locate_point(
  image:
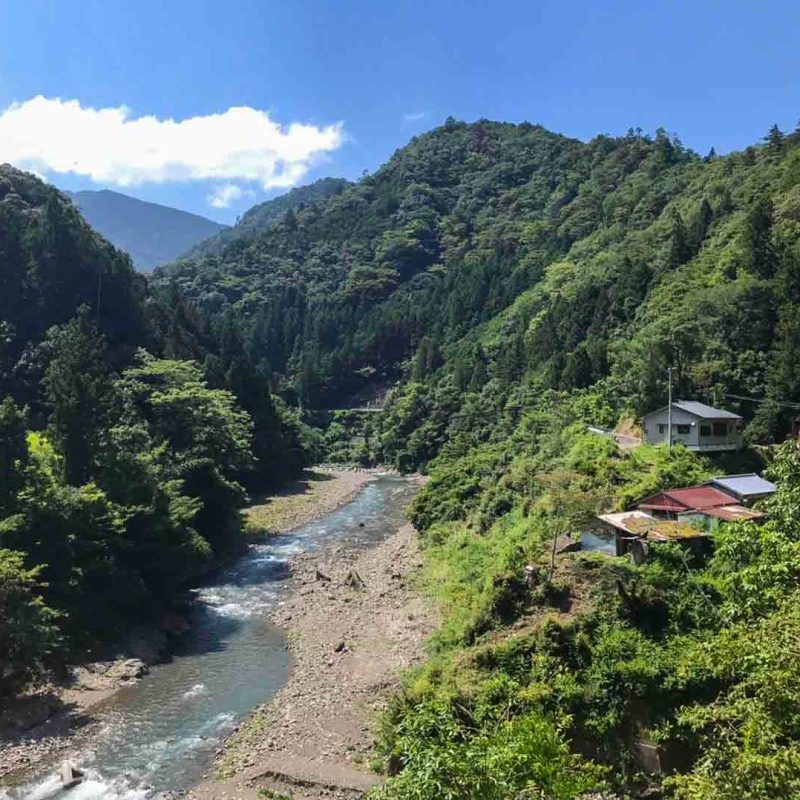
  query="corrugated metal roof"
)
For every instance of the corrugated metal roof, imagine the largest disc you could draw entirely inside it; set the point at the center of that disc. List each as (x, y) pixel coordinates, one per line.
(699, 497)
(660, 502)
(637, 523)
(732, 513)
(628, 521)
(747, 485)
(702, 410)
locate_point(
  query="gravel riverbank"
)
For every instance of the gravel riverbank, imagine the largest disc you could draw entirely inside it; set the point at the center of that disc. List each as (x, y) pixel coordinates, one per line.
(350, 645)
(320, 491)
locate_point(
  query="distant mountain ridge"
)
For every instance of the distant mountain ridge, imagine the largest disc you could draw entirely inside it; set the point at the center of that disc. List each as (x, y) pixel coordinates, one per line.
(153, 234)
(262, 216)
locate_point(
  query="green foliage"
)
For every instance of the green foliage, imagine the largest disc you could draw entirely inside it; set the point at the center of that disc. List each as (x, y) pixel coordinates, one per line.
(446, 757)
(76, 387)
(520, 287)
(129, 484)
(697, 654)
(28, 634)
(13, 453)
(189, 419)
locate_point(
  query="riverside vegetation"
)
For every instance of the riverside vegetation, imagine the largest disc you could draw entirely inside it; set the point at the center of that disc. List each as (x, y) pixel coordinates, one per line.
(129, 427)
(513, 286)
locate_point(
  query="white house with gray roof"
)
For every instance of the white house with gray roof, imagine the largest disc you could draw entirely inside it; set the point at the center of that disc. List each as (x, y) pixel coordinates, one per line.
(694, 425)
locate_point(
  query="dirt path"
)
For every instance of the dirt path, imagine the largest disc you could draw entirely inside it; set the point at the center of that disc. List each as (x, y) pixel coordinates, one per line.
(349, 647)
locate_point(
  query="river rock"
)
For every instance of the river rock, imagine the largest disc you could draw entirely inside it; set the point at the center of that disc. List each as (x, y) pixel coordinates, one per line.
(130, 669)
(70, 776)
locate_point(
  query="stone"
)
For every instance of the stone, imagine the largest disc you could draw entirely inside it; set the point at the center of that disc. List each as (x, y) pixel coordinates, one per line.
(129, 670)
(70, 775)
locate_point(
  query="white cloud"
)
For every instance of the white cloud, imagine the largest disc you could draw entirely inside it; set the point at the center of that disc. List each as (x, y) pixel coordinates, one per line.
(226, 194)
(110, 145)
(415, 116)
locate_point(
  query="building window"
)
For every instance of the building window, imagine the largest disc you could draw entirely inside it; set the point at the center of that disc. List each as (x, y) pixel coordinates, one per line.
(705, 430)
(662, 428)
(720, 429)
(684, 430)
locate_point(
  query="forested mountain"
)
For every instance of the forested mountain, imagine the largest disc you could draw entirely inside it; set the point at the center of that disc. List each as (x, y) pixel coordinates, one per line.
(517, 285)
(260, 217)
(151, 233)
(509, 250)
(129, 427)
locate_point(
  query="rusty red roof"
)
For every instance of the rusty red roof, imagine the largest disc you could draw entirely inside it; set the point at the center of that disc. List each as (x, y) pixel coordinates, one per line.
(693, 497)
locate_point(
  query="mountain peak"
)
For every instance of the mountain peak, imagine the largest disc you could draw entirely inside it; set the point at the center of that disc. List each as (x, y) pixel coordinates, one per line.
(153, 234)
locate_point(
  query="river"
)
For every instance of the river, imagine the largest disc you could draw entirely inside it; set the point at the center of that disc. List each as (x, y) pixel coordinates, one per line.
(160, 734)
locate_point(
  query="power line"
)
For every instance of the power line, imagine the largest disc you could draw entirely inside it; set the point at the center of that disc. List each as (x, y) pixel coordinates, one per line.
(784, 403)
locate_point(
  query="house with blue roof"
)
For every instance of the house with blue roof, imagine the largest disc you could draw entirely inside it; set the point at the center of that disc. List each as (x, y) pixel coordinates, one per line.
(695, 425)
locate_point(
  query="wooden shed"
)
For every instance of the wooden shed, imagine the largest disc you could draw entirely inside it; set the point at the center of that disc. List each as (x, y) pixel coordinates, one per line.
(628, 527)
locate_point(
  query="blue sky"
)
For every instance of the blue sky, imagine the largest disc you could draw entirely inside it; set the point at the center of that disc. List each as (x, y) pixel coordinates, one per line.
(363, 77)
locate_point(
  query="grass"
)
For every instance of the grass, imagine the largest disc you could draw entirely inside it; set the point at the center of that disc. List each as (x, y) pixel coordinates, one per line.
(239, 747)
(294, 505)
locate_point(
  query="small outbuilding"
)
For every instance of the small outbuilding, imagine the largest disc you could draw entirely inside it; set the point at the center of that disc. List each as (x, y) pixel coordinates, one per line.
(745, 488)
(696, 426)
(631, 527)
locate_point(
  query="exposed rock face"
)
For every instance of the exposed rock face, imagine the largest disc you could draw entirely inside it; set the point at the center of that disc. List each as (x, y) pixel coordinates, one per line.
(105, 675)
(129, 670)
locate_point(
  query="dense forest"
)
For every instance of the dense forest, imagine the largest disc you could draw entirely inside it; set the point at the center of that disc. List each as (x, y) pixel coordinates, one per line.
(130, 428)
(512, 286)
(491, 255)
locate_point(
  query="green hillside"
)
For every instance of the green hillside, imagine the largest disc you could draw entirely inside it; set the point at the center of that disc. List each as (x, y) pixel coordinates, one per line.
(260, 217)
(515, 286)
(130, 426)
(508, 248)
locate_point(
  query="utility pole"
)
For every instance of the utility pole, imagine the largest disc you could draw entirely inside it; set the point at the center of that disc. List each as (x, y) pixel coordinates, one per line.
(669, 408)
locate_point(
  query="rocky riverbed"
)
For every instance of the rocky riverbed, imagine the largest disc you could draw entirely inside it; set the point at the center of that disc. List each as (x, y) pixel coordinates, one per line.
(61, 716)
(356, 621)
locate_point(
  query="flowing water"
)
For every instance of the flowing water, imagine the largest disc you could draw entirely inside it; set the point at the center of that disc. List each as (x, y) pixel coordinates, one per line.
(161, 733)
